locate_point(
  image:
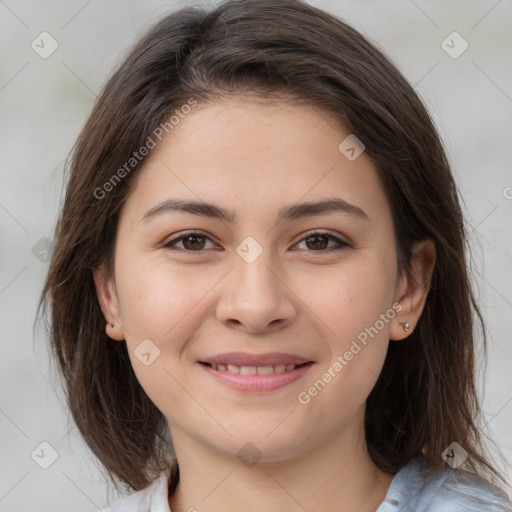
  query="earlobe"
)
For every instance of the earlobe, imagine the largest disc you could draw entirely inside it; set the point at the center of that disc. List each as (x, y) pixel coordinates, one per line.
(413, 289)
(109, 304)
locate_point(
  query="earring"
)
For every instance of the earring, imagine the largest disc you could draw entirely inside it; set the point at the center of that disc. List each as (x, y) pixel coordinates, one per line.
(406, 326)
(112, 325)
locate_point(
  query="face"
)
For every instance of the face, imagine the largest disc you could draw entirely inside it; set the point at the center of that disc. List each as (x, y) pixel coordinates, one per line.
(279, 291)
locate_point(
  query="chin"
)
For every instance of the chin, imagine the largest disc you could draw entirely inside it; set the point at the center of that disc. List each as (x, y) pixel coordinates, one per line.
(264, 445)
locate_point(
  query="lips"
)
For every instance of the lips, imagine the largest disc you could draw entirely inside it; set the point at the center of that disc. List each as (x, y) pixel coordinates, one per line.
(253, 373)
(256, 372)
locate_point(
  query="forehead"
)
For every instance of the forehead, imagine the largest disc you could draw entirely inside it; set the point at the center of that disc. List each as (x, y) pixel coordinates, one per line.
(256, 156)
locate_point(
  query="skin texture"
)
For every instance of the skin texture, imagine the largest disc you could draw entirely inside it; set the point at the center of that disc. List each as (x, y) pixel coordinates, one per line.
(255, 158)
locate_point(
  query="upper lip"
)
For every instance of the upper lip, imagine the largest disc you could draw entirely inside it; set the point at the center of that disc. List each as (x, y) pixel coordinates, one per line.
(246, 359)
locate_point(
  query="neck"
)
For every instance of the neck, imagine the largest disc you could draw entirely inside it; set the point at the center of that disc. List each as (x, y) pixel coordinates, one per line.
(336, 476)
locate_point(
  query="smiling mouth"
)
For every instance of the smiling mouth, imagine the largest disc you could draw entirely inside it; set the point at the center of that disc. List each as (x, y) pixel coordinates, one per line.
(254, 370)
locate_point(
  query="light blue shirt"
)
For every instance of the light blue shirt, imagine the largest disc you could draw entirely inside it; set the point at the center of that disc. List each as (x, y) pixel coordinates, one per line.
(411, 490)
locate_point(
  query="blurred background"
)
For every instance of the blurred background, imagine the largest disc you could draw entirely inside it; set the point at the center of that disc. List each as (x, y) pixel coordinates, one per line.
(55, 57)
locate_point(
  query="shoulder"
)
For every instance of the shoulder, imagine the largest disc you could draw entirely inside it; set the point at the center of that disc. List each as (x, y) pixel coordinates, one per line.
(151, 499)
(417, 488)
(458, 491)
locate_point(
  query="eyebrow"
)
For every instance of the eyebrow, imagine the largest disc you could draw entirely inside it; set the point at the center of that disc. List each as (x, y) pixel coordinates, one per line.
(293, 212)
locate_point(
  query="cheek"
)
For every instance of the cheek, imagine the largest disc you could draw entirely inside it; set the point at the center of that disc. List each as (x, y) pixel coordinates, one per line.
(160, 307)
(355, 303)
(158, 300)
(351, 297)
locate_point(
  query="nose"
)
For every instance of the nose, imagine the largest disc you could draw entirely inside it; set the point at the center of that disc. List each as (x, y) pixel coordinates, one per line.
(255, 297)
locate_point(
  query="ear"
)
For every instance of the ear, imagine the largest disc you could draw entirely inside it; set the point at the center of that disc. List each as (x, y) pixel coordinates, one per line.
(109, 303)
(412, 290)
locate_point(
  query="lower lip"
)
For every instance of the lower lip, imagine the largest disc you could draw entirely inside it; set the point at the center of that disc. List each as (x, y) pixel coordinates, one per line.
(258, 382)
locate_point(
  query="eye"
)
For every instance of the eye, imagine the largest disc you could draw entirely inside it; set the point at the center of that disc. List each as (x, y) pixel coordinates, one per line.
(319, 242)
(192, 242)
(316, 241)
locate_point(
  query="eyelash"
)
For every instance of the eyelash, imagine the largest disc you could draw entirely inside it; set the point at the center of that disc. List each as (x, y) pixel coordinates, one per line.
(342, 245)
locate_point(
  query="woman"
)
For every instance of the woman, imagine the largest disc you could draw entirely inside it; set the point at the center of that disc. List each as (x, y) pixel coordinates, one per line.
(261, 259)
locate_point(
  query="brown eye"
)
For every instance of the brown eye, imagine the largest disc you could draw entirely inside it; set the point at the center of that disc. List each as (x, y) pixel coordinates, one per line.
(319, 242)
(192, 242)
(315, 242)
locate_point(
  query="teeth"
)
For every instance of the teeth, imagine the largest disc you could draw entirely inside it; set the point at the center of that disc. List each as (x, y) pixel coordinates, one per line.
(253, 370)
(248, 370)
(231, 368)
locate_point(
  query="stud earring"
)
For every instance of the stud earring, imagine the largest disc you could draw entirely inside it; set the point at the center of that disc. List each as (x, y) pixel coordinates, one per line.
(406, 326)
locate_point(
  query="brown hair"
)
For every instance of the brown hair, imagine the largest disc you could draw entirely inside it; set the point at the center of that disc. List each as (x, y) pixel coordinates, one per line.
(426, 396)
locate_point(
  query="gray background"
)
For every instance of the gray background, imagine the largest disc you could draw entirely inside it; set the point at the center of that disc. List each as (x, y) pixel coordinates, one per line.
(43, 105)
